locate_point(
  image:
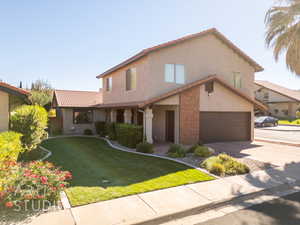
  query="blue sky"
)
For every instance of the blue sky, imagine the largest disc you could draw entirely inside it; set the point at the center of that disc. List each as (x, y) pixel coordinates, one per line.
(69, 42)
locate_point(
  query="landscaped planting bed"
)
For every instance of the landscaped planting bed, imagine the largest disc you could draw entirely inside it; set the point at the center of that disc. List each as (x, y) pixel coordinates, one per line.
(102, 173)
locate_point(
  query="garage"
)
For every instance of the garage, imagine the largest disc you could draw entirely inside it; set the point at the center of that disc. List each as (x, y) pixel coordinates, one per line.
(225, 126)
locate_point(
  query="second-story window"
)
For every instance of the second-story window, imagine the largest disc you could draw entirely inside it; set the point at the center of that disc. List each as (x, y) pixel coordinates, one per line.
(174, 73)
(109, 84)
(131, 79)
(237, 80)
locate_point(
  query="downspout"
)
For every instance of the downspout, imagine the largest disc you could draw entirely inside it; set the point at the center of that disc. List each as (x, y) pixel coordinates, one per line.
(144, 124)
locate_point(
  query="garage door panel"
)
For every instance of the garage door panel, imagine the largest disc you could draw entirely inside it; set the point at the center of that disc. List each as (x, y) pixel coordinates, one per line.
(225, 126)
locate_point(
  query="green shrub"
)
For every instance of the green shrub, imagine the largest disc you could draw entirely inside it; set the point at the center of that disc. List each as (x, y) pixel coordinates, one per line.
(100, 128)
(110, 130)
(217, 169)
(31, 121)
(88, 132)
(231, 165)
(176, 151)
(203, 151)
(145, 147)
(192, 149)
(10, 146)
(129, 135)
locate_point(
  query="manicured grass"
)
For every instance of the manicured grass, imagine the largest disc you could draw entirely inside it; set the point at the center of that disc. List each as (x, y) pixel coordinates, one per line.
(102, 173)
(287, 122)
(33, 155)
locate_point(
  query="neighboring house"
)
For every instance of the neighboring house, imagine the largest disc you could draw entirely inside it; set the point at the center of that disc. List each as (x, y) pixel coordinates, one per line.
(196, 88)
(76, 110)
(282, 102)
(10, 97)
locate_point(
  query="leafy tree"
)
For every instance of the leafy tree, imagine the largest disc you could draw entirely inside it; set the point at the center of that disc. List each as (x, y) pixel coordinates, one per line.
(283, 32)
(41, 93)
(31, 121)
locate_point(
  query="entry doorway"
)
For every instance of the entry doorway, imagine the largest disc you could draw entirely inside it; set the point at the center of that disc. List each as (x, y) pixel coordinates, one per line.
(170, 125)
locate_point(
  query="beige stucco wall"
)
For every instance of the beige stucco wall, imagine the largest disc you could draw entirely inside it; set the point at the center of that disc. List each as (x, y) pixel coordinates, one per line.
(224, 100)
(273, 96)
(201, 57)
(159, 122)
(4, 111)
(70, 128)
(292, 108)
(119, 93)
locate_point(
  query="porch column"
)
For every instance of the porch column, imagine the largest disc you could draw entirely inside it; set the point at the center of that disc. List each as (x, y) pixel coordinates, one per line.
(148, 125)
(113, 115)
(127, 115)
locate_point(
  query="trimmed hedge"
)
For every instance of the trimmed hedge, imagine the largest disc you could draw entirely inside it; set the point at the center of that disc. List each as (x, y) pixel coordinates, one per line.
(100, 128)
(31, 121)
(110, 130)
(10, 146)
(128, 135)
(176, 151)
(88, 132)
(145, 147)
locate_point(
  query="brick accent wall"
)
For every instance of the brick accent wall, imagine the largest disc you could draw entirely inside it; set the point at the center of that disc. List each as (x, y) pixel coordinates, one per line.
(189, 116)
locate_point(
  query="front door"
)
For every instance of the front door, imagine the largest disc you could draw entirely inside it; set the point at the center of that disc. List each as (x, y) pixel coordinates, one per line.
(170, 125)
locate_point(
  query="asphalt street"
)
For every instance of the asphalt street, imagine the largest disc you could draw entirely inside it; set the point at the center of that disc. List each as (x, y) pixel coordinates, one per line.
(282, 211)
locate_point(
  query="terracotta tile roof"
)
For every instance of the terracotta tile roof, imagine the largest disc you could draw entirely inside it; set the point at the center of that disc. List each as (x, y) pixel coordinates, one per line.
(200, 82)
(292, 94)
(14, 89)
(68, 98)
(214, 31)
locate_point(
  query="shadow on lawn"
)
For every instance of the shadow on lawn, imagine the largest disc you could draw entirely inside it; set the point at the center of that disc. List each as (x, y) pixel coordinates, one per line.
(282, 211)
(94, 163)
(233, 148)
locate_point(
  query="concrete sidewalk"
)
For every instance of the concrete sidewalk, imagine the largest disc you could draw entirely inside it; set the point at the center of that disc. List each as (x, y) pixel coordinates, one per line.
(171, 204)
(181, 200)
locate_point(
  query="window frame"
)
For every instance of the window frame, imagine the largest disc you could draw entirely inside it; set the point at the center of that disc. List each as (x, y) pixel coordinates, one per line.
(175, 73)
(132, 73)
(237, 83)
(108, 84)
(83, 110)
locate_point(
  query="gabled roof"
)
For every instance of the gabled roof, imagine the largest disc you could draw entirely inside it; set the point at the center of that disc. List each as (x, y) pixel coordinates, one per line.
(200, 82)
(80, 99)
(213, 31)
(13, 90)
(289, 93)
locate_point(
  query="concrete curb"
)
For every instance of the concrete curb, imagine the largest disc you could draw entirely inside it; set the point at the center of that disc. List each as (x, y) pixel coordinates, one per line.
(158, 156)
(49, 153)
(64, 200)
(272, 141)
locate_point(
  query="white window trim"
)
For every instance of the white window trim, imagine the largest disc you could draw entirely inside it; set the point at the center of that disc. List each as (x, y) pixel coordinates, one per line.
(175, 74)
(133, 89)
(107, 84)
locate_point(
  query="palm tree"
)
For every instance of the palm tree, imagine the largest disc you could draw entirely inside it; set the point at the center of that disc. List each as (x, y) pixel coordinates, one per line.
(283, 32)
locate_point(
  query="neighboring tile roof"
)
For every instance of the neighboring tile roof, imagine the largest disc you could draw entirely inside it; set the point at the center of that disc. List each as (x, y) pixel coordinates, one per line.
(200, 82)
(292, 94)
(68, 98)
(4, 86)
(214, 31)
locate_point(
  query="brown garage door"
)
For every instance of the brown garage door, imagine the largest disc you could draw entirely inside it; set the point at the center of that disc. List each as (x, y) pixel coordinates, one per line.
(225, 126)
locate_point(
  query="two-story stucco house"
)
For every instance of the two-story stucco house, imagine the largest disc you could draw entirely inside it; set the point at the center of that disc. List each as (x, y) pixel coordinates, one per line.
(282, 102)
(10, 97)
(196, 88)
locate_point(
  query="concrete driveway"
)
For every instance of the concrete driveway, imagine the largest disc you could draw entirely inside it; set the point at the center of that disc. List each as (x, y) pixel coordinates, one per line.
(279, 133)
(275, 154)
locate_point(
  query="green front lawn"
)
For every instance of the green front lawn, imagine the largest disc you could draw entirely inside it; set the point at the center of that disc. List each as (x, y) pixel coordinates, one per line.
(289, 122)
(102, 173)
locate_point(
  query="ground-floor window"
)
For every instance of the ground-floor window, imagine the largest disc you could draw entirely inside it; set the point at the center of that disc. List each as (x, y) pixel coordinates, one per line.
(82, 116)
